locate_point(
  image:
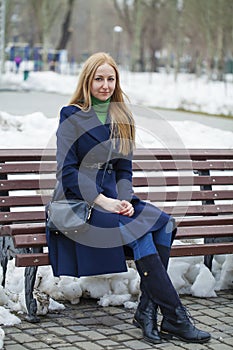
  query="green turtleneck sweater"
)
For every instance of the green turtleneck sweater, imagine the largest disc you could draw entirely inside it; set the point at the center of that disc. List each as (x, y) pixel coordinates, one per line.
(100, 108)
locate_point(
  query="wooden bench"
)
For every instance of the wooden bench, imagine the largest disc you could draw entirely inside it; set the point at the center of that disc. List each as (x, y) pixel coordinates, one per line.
(195, 186)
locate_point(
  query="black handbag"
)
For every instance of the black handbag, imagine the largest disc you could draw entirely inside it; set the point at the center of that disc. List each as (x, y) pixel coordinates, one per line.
(70, 216)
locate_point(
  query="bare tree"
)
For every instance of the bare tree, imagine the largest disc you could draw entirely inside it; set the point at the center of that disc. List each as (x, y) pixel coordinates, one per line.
(66, 27)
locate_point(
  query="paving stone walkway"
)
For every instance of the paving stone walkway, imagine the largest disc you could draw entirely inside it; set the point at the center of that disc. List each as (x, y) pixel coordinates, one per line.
(87, 326)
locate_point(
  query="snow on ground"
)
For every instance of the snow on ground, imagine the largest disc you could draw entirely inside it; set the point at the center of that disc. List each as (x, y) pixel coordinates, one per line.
(189, 275)
(148, 89)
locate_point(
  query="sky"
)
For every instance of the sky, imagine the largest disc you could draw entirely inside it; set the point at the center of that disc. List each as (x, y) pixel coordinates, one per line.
(189, 274)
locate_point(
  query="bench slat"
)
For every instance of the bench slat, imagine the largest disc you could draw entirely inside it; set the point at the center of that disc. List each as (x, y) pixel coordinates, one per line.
(39, 239)
(148, 153)
(37, 200)
(199, 209)
(205, 220)
(27, 184)
(6, 217)
(182, 180)
(185, 195)
(42, 259)
(46, 167)
(181, 165)
(17, 229)
(27, 154)
(25, 168)
(30, 240)
(37, 259)
(202, 249)
(194, 154)
(210, 231)
(23, 201)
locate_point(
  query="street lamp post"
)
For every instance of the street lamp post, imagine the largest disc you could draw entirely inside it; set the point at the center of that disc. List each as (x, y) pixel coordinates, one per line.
(118, 30)
(2, 35)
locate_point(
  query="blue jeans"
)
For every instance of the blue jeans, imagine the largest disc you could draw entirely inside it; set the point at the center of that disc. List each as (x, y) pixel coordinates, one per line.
(145, 245)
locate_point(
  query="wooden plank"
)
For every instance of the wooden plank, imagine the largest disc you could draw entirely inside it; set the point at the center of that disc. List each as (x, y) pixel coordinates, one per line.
(207, 209)
(27, 168)
(34, 184)
(181, 180)
(26, 228)
(39, 259)
(24, 201)
(202, 249)
(30, 240)
(195, 154)
(42, 259)
(140, 165)
(13, 217)
(205, 220)
(140, 153)
(205, 231)
(170, 196)
(25, 154)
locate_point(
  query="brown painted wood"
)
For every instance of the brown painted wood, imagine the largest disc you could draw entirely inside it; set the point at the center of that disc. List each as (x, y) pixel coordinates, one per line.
(182, 180)
(170, 196)
(140, 165)
(202, 249)
(13, 185)
(27, 168)
(30, 240)
(42, 259)
(26, 228)
(23, 260)
(23, 201)
(12, 217)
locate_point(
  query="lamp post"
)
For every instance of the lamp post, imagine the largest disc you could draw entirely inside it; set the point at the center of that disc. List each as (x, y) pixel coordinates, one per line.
(2, 35)
(117, 30)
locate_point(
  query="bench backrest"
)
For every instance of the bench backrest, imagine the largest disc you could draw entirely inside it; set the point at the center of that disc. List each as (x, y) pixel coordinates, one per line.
(195, 186)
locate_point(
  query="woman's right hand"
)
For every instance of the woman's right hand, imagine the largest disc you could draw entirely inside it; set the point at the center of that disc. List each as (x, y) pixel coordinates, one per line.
(114, 205)
(109, 204)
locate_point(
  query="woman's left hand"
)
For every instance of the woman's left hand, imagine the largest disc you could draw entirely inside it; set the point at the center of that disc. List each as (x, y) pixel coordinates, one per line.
(128, 208)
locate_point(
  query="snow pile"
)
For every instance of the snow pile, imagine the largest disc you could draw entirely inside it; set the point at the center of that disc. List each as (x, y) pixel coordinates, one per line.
(148, 89)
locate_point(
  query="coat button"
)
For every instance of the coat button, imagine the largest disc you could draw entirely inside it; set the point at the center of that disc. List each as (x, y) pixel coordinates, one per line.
(145, 273)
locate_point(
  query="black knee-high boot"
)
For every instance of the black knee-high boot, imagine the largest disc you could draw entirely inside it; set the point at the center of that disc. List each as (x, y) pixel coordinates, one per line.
(146, 314)
(145, 317)
(159, 288)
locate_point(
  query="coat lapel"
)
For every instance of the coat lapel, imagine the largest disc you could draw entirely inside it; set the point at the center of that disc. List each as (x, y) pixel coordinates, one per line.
(90, 123)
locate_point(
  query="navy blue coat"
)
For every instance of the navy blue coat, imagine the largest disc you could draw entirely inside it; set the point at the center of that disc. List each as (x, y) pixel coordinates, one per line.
(82, 139)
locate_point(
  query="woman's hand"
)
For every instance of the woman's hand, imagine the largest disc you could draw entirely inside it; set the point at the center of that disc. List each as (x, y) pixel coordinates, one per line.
(128, 208)
(114, 205)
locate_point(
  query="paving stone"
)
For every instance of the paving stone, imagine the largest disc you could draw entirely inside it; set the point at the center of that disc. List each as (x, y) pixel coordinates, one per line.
(106, 342)
(38, 345)
(89, 346)
(15, 347)
(137, 345)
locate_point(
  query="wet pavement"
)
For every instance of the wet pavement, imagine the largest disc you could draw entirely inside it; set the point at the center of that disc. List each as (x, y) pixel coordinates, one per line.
(92, 327)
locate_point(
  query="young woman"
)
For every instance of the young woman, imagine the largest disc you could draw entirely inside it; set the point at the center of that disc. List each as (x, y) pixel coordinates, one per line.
(96, 125)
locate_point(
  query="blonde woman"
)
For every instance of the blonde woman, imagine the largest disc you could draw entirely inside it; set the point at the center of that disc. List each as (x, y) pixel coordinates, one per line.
(97, 125)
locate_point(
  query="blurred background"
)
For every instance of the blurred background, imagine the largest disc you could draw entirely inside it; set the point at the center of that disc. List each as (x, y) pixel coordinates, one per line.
(175, 36)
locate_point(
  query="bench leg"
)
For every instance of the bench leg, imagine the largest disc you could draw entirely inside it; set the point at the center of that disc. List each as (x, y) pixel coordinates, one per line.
(7, 252)
(30, 277)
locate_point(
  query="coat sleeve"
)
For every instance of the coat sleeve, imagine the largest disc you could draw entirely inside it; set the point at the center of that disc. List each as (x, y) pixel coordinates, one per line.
(73, 181)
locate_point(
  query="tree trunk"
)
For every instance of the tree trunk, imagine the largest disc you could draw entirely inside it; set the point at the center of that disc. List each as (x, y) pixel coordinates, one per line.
(66, 29)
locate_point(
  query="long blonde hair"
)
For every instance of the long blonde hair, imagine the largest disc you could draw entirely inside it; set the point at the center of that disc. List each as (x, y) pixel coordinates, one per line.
(122, 121)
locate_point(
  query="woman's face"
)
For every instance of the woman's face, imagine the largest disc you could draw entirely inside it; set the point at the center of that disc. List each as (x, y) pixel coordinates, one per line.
(104, 82)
